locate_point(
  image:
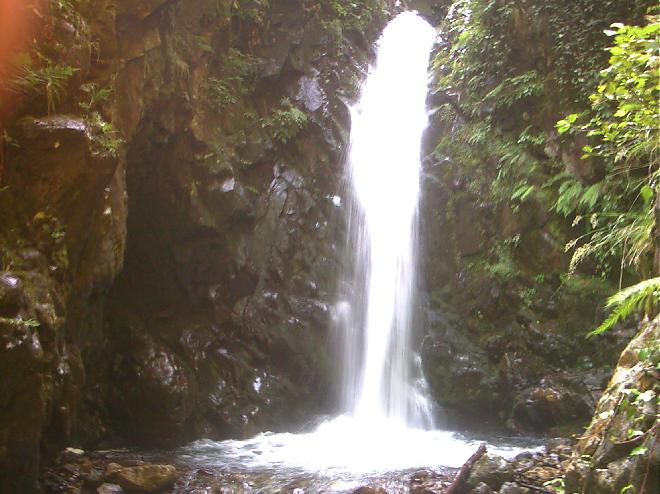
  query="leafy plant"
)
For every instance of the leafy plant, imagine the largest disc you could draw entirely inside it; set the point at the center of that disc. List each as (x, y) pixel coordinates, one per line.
(341, 17)
(95, 96)
(18, 322)
(49, 80)
(255, 10)
(286, 122)
(31, 323)
(237, 70)
(108, 139)
(623, 124)
(515, 89)
(557, 485)
(221, 93)
(644, 297)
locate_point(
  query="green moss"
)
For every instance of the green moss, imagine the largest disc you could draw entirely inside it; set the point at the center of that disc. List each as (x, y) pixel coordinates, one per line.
(237, 70)
(340, 18)
(285, 122)
(506, 71)
(510, 68)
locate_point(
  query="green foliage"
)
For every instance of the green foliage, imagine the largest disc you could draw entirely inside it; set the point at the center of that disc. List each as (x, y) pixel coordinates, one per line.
(499, 164)
(577, 29)
(615, 235)
(476, 30)
(515, 89)
(644, 297)
(255, 10)
(505, 70)
(505, 65)
(623, 123)
(31, 323)
(504, 267)
(18, 322)
(557, 485)
(522, 192)
(625, 111)
(499, 262)
(286, 122)
(632, 406)
(106, 137)
(95, 96)
(353, 15)
(624, 114)
(340, 17)
(238, 70)
(68, 5)
(651, 354)
(478, 71)
(221, 93)
(47, 79)
(639, 450)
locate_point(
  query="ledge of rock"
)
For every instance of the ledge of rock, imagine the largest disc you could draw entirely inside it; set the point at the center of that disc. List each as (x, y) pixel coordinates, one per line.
(141, 478)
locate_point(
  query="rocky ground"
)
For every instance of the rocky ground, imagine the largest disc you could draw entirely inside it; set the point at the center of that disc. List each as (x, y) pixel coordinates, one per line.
(618, 449)
(77, 472)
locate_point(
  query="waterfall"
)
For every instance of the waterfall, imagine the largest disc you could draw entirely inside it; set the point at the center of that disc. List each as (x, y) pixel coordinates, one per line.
(386, 422)
(383, 173)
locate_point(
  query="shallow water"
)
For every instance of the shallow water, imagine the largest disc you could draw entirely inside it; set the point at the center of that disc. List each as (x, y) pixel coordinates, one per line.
(339, 456)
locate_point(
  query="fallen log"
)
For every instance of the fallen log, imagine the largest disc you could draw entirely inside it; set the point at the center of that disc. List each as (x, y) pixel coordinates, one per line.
(459, 485)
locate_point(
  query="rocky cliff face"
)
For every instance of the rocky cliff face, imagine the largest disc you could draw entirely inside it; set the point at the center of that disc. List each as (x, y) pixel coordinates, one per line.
(506, 323)
(220, 315)
(197, 145)
(619, 449)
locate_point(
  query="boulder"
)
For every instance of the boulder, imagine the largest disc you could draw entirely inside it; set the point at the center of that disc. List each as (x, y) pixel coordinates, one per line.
(11, 294)
(491, 470)
(513, 488)
(482, 488)
(154, 392)
(606, 459)
(549, 404)
(93, 479)
(109, 489)
(141, 478)
(369, 490)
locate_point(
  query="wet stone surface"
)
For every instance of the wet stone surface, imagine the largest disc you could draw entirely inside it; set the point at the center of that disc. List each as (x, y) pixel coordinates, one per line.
(93, 472)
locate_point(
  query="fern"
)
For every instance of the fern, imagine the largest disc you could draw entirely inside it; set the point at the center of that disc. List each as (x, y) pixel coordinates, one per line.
(50, 80)
(515, 89)
(286, 122)
(628, 235)
(644, 297)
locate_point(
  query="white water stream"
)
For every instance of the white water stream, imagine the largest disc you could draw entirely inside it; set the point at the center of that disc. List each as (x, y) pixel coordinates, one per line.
(387, 424)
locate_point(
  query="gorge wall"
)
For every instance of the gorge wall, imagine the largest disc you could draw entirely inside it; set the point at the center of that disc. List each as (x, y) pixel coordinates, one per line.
(195, 147)
(168, 230)
(506, 313)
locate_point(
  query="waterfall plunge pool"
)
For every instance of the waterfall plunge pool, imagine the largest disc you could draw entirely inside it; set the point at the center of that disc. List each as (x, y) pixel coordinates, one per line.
(339, 456)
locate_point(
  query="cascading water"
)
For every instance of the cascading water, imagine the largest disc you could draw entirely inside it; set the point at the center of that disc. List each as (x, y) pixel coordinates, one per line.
(386, 426)
(384, 167)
